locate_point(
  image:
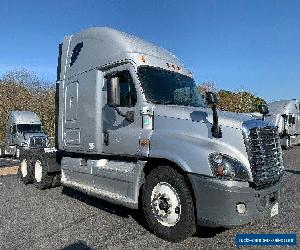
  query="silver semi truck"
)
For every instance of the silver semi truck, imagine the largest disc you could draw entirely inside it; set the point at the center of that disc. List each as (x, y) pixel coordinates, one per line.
(133, 129)
(23, 131)
(285, 115)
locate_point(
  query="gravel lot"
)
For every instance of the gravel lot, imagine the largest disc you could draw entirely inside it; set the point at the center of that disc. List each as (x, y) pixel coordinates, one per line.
(60, 218)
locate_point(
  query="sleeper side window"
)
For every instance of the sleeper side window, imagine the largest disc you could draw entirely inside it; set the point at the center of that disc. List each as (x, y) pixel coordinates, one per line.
(121, 90)
(75, 53)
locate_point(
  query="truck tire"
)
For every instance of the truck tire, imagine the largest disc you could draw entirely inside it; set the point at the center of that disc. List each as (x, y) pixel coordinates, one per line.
(168, 204)
(25, 170)
(42, 179)
(287, 143)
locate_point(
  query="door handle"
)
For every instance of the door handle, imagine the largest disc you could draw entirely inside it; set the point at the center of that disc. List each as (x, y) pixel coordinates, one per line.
(106, 137)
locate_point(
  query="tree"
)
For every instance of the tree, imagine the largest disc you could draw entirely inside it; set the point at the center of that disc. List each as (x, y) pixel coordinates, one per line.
(23, 90)
(241, 101)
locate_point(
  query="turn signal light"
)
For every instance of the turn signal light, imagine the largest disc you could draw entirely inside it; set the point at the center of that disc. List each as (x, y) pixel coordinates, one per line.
(143, 59)
(144, 142)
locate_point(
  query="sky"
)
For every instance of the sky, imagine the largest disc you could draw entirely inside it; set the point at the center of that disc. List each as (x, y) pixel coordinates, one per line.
(251, 45)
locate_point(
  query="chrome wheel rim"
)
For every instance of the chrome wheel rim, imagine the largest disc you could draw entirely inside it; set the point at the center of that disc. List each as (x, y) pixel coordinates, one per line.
(165, 204)
(24, 167)
(38, 171)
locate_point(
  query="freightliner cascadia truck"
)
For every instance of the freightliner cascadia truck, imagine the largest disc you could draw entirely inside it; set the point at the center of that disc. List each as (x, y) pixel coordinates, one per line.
(132, 129)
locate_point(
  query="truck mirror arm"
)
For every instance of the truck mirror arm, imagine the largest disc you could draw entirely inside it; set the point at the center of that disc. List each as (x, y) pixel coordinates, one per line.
(129, 115)
(216, 129)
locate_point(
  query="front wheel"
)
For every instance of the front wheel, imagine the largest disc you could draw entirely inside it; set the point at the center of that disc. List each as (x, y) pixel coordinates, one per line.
(168, 204)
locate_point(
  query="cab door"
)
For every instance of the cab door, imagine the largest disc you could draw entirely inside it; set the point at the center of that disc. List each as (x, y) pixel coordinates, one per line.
(71, 126)
(121, 114)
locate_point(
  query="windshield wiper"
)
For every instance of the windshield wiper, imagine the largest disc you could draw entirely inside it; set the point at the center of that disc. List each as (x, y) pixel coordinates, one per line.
(164, 103)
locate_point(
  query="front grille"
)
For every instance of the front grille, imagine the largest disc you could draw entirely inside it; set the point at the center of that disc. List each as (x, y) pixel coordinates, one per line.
(265, 155)
(37, 142)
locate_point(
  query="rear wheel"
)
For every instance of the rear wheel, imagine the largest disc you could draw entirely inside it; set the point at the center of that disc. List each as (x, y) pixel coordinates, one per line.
(25, 171)
(168, 204)
(1, 151)
(42, 179)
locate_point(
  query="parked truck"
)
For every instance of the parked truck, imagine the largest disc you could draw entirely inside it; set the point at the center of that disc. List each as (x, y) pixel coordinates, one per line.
(285, 115)
(24, 131)
(133, 129)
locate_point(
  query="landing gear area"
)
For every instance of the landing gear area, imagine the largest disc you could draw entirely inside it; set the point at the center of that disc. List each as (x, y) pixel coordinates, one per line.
(286, 142)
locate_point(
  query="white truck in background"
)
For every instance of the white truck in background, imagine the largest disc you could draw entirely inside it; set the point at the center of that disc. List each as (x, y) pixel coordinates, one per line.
(285, 114)
(24, 131)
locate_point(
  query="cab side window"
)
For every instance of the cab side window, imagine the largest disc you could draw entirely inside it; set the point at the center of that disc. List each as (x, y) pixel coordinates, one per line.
(124, 90)
(14, 129)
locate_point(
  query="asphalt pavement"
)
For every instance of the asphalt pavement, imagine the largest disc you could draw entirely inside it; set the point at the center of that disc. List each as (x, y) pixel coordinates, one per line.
(61, 218)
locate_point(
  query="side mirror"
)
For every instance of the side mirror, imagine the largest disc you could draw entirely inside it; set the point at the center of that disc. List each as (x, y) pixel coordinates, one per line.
(211, 98)
(113, 98)
(113, 92)
(291, 119)
(284, 116)
(13, 129)
(263, 109)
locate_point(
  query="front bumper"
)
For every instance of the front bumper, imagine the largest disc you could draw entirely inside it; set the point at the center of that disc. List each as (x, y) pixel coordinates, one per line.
(216, 201)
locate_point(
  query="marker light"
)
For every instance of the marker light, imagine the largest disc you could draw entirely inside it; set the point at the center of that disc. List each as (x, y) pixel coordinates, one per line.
(143, 59)
(174, 66)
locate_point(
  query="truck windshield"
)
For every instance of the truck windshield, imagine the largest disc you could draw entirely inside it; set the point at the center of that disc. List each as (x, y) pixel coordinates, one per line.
(32, 128)
(165, 87)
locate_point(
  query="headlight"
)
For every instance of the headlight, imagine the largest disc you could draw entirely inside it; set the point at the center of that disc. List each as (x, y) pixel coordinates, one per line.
(223, 166)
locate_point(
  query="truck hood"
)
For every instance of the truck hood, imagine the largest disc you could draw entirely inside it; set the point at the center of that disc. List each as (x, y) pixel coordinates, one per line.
(197, 114)
(182, 134)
